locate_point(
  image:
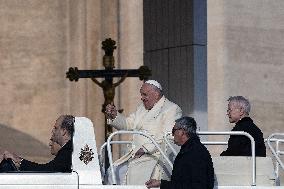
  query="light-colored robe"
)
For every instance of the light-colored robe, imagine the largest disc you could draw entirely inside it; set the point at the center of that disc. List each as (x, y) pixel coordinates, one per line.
(156, 122)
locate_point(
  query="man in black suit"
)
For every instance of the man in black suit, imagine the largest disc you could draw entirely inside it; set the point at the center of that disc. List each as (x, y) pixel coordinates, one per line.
(193, 167)
(62, 133)
(238, 145)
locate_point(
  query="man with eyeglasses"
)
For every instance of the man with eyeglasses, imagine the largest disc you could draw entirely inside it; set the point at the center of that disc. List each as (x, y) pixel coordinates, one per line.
(193, 167)
(238, 113)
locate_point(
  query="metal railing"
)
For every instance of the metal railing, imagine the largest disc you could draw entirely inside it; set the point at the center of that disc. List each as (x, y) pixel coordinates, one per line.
(101, 157)
(224, 143)
(133, 133)
(276, 152)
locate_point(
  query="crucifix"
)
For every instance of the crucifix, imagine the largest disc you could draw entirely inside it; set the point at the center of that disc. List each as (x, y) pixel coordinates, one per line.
(108, 74)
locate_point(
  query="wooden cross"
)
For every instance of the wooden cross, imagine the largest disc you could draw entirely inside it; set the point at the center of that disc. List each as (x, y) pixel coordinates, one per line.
(108, 74)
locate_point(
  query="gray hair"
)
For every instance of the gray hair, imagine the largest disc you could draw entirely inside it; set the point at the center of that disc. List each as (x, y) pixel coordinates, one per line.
(68, 124)
(188, 124)
(242, 102)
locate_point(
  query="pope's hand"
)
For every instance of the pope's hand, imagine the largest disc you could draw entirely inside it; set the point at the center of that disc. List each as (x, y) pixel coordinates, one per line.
(111, 111)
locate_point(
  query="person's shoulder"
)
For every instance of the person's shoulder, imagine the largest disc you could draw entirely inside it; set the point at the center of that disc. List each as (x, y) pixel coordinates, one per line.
(248, 123)
(140, 108)
(67, 147)
(248, 126)
(69, 143)
(204, 152)
(198, 150)
(244, 124)
(169, 103)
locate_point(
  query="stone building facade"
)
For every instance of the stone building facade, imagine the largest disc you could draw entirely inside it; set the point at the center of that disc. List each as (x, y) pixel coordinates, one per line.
(40, 40)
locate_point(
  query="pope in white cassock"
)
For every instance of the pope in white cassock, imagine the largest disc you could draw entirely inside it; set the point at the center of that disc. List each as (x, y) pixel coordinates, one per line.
(156, 115)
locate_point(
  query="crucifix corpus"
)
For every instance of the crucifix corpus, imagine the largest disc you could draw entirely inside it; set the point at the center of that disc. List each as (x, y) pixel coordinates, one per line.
(108, 74)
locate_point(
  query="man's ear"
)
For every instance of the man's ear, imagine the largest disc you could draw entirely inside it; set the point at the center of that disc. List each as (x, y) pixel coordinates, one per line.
(64, 132)
(242, 111)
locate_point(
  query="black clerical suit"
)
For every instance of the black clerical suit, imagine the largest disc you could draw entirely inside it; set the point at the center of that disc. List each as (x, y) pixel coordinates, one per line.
(239, 145)
(61, 163)
(193, 168)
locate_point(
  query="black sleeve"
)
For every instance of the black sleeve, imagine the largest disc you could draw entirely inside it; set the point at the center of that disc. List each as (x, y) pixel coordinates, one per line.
(53, 166)
(236, 145)
(198, 174)
(175, 185)
(61, 163)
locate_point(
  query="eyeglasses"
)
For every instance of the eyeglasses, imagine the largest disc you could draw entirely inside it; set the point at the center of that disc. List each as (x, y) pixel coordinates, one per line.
(230, 110)
(174, 130)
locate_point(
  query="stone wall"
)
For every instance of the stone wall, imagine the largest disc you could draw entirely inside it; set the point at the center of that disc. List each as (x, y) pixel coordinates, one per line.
(245, 57)
(39, 41)
(33, 55)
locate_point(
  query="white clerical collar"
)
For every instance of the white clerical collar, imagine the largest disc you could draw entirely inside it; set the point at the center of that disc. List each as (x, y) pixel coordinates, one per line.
(65, 143)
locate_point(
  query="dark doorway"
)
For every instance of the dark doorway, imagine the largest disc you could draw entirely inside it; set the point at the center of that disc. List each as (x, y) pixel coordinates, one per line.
(175, 49)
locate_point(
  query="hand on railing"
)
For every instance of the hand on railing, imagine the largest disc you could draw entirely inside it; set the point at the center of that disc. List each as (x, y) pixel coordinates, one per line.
(152, 140)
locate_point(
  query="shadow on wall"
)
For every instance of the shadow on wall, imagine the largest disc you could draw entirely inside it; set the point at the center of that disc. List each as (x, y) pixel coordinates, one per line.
(23, 145)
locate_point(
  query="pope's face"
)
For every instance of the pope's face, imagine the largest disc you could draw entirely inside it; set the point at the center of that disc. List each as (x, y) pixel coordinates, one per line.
(149, 96)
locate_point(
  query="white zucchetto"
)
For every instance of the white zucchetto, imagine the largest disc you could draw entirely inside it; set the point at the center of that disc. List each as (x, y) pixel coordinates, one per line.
(155, 83)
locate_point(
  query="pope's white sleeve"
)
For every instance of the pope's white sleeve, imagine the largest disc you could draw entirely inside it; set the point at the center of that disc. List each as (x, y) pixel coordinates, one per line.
(167, 125)
(121, 122)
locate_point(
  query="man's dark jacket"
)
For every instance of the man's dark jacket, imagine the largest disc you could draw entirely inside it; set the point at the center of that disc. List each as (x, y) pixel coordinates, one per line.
(239, 145)
(61, 163)
(193, 168)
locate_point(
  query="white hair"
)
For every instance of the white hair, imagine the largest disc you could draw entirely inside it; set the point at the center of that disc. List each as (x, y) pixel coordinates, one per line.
(242, 102)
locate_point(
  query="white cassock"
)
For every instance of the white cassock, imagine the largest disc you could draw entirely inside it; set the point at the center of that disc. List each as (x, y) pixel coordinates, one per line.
(156, 122)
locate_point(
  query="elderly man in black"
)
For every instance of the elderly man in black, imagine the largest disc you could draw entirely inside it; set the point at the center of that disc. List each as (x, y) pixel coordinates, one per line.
(62, 134)
(238, 113)
(193, 167)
